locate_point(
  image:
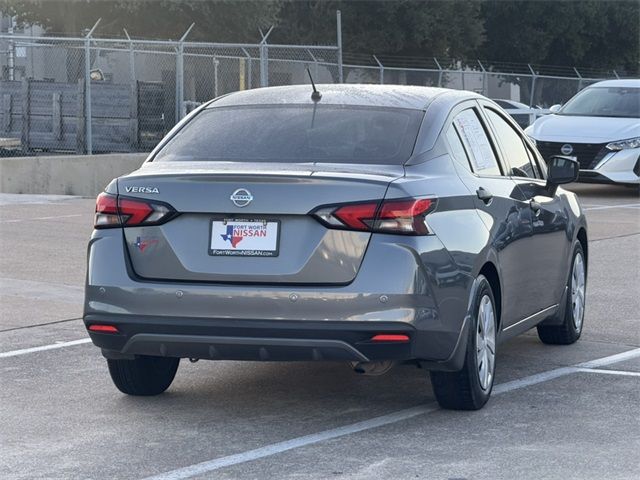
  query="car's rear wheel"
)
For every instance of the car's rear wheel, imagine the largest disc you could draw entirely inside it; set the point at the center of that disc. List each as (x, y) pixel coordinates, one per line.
(470, 388)
(144, 375)
(570, 329)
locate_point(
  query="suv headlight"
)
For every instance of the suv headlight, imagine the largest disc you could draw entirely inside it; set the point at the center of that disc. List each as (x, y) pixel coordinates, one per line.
(624, 144)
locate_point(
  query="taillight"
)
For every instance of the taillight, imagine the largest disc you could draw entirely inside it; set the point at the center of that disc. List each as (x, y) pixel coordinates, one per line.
(133, 212)
(398, 216)
(357, 216)
(405, 216)
(106, 211)
(118, 211)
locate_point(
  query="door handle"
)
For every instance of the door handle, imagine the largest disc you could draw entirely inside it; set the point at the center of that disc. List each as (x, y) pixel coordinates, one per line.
(535, 206)
(485, 195)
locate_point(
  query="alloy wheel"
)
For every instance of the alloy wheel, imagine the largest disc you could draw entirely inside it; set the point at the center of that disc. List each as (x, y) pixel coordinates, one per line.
(578, 291)
(486, 342)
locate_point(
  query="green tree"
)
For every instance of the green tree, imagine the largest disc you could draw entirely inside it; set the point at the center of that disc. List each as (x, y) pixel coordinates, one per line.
(221, 21)
(597, 34)
(404, 27)
(400, 27)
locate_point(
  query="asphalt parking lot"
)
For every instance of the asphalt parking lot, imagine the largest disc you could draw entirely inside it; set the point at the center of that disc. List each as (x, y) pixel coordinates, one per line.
(565, 412)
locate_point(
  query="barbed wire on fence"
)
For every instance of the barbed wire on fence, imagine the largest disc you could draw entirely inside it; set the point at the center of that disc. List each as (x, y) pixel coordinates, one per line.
(89, 94)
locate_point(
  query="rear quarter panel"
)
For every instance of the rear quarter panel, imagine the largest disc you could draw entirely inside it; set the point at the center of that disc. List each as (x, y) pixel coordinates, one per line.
(457, 226)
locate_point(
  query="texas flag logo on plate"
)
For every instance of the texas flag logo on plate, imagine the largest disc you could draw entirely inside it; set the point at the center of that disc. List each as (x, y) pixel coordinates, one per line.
(244, 238)
(235, 239)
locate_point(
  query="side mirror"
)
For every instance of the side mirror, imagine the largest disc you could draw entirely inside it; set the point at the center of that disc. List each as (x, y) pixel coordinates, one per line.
(554, 108)
(561, 170)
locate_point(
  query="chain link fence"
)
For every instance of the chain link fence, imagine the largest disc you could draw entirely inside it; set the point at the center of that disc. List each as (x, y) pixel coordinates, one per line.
(532, 85)
(94, 95)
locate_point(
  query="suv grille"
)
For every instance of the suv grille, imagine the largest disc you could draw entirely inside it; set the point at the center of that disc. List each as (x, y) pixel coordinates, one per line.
(588, 154)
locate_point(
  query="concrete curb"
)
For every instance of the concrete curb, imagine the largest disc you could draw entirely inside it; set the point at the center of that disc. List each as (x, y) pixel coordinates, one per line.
(84, 175)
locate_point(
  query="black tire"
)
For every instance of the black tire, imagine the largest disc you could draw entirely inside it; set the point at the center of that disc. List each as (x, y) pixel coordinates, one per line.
(144, 375)
(569, 330)
(462, 390)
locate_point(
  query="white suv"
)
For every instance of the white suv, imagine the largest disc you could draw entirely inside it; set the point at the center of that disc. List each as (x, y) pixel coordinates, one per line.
(599, 127)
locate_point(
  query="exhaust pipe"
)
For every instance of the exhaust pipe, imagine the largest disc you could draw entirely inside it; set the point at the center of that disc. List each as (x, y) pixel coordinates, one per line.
(373, 368)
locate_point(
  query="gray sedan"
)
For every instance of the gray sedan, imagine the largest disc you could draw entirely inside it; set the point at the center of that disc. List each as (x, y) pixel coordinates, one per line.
(364, 224)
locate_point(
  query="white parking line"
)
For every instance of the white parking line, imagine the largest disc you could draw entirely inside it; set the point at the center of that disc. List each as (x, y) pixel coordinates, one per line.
(532, 380)
(8, 199)
(53, 346)
(611, 359)
(275, 448)
(279, 447)
(605, 207)
(609, 372)
(55, 217)
(35, 290)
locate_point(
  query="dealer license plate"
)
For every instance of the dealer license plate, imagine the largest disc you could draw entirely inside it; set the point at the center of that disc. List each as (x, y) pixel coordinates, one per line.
(244, 238)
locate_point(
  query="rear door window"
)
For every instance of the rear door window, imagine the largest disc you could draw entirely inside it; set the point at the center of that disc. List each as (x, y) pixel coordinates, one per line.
(476, 142)
(457, 149)
(297, 134)
(513, 146)
(534, 161)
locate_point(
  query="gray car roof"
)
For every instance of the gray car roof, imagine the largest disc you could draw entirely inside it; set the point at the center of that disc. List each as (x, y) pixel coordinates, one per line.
(398, 96)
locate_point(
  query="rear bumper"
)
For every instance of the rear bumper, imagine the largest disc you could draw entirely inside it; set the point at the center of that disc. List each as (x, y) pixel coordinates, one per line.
(268, 340)
(398, 289)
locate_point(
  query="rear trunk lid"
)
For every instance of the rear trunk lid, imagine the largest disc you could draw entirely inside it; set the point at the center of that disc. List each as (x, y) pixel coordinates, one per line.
(270, 240)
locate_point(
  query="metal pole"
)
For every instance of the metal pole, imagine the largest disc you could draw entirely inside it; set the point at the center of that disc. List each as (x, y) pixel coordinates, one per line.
(215, 76)
(179, 73)
(242, 74)
(132, 60)
(485, 88)
(339, 33)
(12, 51)
(264, 58)
(381, 67)
(533, 84)
(249, 71)
(180, 106)
(616, 74)
(439, 72)
(264, 66)
(580, 77)
(87, 90)
(133, 87)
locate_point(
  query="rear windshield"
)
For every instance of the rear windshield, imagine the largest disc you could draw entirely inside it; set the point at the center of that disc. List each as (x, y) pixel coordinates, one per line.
(605, 102)
(297, 134)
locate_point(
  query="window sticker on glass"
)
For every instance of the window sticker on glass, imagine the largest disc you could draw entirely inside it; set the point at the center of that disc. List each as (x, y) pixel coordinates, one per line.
(471, 130)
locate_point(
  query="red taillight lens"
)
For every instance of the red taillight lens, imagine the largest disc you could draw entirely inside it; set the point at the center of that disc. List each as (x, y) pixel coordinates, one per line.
(403, 216)
(134, 212)
(117, 211)
(405, 208)
(358, 216)
(106, 211)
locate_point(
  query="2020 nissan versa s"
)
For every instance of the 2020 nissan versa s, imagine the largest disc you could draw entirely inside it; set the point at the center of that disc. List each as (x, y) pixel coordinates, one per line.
(375, 224)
